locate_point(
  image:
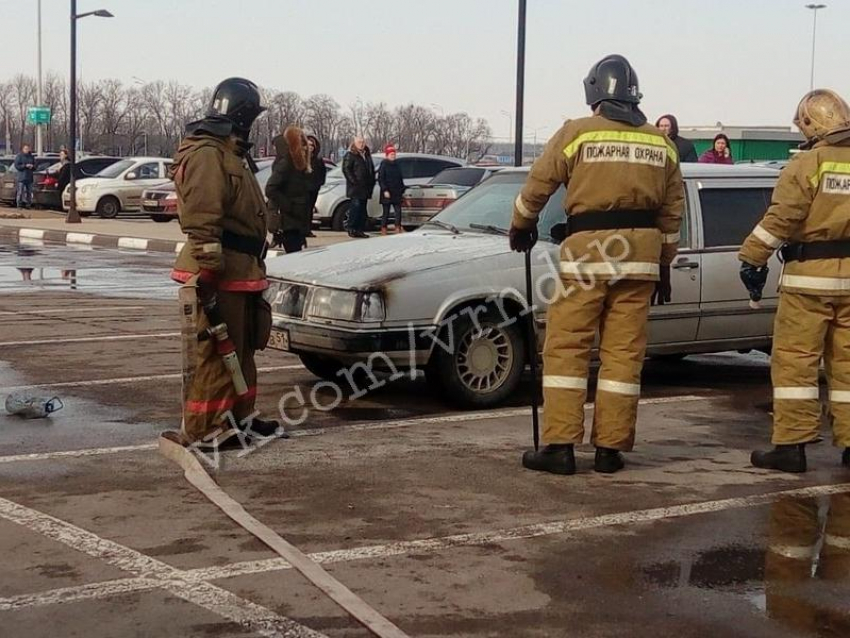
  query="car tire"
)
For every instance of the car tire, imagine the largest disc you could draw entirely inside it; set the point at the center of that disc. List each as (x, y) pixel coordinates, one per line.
(476, 370)
(161, 218)
(108, 207)
(340, 217)
(322, 367)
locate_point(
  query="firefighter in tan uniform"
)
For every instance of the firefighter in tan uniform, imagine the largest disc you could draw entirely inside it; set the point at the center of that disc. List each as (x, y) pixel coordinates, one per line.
(624, 201)
(223, 213)
(809, 219)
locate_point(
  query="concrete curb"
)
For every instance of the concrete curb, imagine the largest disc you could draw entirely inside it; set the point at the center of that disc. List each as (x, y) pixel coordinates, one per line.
(70, 238)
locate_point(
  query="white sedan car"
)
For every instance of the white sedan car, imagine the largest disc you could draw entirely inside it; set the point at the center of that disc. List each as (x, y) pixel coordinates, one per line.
(118, 187)
(449, 298)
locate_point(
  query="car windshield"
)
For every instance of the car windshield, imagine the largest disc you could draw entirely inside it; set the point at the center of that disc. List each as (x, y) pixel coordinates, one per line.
(458, 177)
(116, 169)
(492, 203)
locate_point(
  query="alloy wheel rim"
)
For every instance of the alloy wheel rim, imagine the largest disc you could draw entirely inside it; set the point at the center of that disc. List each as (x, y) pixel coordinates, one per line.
(484, 359)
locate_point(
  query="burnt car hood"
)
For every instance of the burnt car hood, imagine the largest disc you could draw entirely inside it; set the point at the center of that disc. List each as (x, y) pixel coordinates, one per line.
(368, 264)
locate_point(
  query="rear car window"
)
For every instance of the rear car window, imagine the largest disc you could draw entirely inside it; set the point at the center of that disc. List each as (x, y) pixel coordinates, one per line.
(426, 167)
(730, 214)
(459, 176)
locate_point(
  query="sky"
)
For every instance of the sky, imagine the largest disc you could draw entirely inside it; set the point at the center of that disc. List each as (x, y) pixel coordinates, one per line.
(739, 62)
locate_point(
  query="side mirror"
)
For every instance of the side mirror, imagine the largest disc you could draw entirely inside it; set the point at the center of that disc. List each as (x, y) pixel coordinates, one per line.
(130, 176)
(558, 233)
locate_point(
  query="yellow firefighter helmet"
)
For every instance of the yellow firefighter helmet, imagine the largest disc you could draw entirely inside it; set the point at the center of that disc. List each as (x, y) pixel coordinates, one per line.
(821, 112)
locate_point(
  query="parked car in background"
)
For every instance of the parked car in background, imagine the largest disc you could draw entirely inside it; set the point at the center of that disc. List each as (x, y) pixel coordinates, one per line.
(49, 184)
(118, 188)
(9, 178)
(388, 302)
(161, 201)
(333, 203)
(422, 202)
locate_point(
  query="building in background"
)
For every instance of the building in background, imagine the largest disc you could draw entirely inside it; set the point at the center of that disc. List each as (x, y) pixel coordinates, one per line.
(749, 143)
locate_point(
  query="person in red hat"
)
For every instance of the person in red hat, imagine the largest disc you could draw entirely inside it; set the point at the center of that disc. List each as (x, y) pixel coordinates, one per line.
(392, 188)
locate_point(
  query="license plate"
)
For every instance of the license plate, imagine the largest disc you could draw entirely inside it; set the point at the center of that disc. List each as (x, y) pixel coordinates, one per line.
(279, 340)
(151, 202)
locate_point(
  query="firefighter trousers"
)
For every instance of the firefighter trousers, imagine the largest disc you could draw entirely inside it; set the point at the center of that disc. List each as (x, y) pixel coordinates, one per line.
(618, 312)
(210, 402)
(808, 328)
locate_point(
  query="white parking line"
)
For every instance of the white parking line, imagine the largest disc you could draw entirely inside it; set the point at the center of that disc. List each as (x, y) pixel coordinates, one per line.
(212, 598)
(123, 380)
(355, 427)
(115, 587)
(38, 342)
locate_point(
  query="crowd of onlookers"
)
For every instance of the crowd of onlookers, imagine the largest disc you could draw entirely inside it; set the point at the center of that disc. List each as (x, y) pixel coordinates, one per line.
(299, 172)
(719, 153)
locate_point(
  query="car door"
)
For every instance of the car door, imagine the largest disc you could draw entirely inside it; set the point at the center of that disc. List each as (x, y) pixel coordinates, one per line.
(729, 210)
(677, 322)
(146, 175)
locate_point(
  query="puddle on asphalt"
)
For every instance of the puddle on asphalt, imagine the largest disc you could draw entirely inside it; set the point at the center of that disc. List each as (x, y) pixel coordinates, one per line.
(799, 578)
(36, 266)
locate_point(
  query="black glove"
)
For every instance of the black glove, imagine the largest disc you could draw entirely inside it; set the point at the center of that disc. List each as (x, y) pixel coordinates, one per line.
(522, 239)
(663, 292)
(754, 279)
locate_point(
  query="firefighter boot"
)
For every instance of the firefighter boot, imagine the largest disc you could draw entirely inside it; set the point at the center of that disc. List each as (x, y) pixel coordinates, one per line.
(785, 458)
(845, 457)
(554, 458)
(608, 461)
(265, 428)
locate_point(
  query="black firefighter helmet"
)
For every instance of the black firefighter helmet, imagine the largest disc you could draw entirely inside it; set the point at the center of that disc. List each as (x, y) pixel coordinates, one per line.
(238, 101)
(612, 78)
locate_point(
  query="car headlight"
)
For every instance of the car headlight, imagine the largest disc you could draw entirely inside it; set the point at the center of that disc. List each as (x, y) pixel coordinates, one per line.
(171, 196)
(287, 299)
(347, 305)
(85, 190)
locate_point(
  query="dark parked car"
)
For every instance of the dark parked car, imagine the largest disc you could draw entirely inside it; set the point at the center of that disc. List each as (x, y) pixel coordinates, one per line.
(49, 183)
(9, 179)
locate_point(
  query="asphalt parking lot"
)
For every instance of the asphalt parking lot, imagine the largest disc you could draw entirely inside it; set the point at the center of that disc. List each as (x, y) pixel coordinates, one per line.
(423, 511)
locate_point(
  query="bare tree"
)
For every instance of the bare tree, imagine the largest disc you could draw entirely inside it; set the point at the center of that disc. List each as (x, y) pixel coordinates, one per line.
(113, 110)
(322, 116)
(55, 97)
(23, 93)
(382, 124)
(7, 104)
(89, 103)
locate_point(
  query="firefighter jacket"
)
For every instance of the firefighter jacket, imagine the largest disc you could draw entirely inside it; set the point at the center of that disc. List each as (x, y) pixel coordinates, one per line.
(218, 194)
(811, 202)
(609, 166)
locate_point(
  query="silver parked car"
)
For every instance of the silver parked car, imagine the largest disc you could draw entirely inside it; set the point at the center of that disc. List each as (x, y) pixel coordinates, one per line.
(416, 168)
(442, 298)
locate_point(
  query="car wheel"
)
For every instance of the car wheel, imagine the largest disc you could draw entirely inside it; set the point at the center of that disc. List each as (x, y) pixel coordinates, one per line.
(108, 208)
(340, 217)
(323, 367)
(479, 368)
(161, 218)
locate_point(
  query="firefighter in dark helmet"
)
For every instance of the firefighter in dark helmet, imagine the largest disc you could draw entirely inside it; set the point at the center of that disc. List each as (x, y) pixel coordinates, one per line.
(224, 316)
(624, 204)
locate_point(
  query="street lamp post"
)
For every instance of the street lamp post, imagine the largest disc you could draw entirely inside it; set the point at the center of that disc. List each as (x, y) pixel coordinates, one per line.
(520, 83)
(815, 8)
(73, 216)
(39, 133)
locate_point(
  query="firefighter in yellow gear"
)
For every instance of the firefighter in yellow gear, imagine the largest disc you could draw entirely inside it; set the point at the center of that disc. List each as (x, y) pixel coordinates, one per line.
(223, 213)
(809, 221)
(624, 205)
(807, 566)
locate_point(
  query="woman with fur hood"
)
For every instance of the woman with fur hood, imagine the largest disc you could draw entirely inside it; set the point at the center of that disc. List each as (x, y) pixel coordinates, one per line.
(288, 190)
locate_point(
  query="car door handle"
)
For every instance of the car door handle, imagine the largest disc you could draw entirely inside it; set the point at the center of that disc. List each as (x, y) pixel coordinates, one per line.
(686, 265)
